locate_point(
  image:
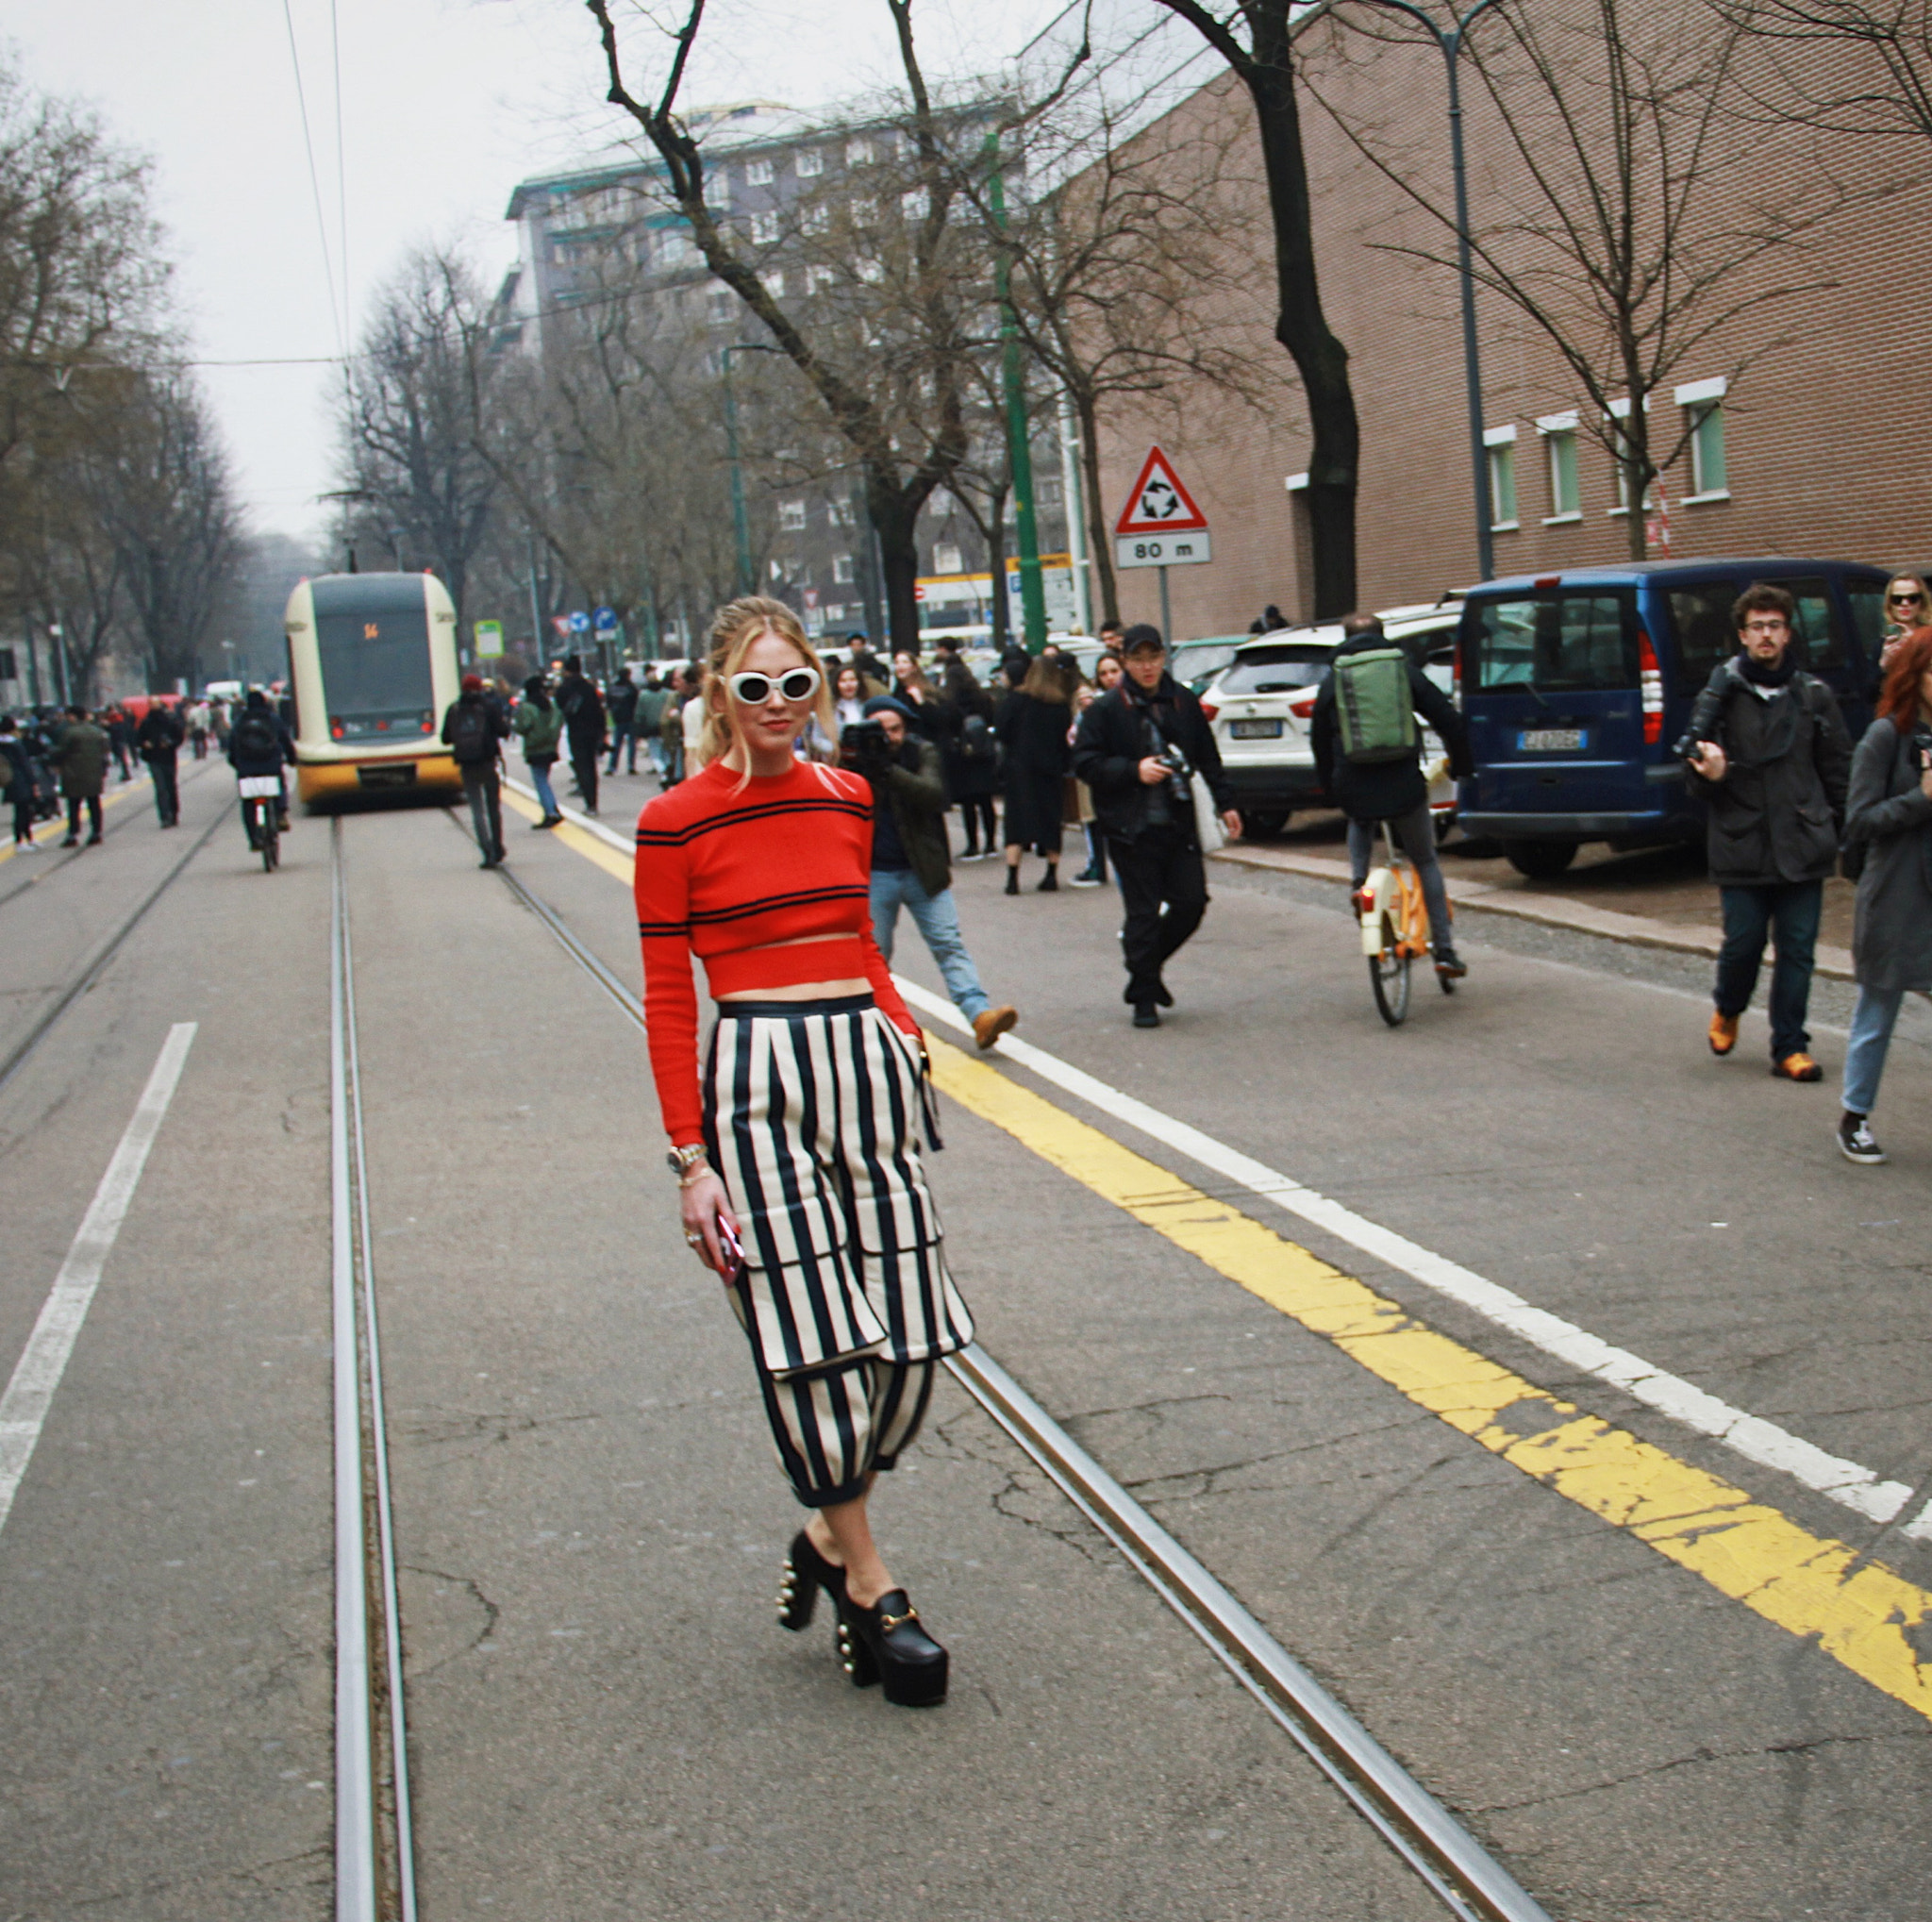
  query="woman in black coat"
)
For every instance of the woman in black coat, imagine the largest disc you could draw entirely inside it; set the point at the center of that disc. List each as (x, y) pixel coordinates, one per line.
(970, 758)
(1033, 725)
(1889, 814)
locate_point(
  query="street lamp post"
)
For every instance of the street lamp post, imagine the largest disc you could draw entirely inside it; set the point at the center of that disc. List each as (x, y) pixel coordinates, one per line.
(1449, 41)
(1019, 447)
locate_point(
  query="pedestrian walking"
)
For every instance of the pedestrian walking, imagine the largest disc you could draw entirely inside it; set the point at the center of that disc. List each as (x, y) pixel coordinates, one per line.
(622, 706)
(1768, 748)
(538, 727)
(649, 719)
(1369, 758)
(158, 740)
(1141, 749)
(671, 728)
(969, 755)
(1095, 874)
(197, 728)
(910, 867)
(120, 739)
(80, 753)
(17, 789)
(219, 723)
(1888, 822)
(1032, 728)
(473, 729)
(584, 727)
(806, 1113)
(691, 724)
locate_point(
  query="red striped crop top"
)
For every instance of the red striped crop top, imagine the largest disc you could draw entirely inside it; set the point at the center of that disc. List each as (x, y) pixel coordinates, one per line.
(726, 866)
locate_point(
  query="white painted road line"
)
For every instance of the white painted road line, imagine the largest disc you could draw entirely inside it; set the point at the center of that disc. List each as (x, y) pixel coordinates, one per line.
(1849, 1484)
(1756, 1439)
(30, 1394)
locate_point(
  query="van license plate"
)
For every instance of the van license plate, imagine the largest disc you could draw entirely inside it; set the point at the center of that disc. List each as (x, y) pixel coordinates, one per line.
(1254, 730)
(1552, 741)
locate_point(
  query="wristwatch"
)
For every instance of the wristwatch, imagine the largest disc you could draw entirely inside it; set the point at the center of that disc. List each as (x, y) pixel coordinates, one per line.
(682, 1160)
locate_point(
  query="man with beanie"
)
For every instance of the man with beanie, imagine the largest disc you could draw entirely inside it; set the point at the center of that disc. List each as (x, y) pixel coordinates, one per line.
(584, 726)
(910, 867)
(1141, 747)
(472, 729)
(158, 740)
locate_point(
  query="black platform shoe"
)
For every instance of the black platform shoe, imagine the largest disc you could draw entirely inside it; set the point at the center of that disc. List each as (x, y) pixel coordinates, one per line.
(886, 1643)
(805, 1573)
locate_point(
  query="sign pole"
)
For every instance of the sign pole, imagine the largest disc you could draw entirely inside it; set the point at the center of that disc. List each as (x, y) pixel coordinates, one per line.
(1166, 612)
(1019, 446)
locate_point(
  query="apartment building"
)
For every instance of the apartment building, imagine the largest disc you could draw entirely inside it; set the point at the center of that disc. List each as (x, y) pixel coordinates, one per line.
(1786, 406)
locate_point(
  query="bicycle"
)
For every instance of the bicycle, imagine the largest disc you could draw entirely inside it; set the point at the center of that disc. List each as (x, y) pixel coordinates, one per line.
(262, 814)
(1396, 929)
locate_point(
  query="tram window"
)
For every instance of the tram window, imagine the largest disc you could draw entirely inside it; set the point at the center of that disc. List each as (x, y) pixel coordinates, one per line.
(375, 670)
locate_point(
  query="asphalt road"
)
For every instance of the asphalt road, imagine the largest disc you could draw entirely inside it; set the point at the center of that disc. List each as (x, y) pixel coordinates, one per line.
(604, 1719)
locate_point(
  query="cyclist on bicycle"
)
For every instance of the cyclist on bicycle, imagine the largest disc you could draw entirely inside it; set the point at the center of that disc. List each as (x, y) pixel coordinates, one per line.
(1369, 761)
(259, 744)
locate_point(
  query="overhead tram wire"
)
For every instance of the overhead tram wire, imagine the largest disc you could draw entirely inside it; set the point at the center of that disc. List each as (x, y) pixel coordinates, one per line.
(335, 45)
(334, 308)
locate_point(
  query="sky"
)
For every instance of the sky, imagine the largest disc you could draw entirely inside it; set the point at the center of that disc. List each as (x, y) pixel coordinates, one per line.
(445, 105)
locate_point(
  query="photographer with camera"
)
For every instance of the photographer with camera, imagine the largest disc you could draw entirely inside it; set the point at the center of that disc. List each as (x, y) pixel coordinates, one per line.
(910, 866)
(1146, 752)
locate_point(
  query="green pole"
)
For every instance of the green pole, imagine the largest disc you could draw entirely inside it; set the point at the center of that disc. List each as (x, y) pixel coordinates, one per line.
(1019, 452)
(741, 523)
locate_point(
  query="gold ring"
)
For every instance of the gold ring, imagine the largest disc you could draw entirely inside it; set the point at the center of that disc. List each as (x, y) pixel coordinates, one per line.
(690, 1241)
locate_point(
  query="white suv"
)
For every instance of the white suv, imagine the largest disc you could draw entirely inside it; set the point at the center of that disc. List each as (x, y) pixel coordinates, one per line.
(1262, 708)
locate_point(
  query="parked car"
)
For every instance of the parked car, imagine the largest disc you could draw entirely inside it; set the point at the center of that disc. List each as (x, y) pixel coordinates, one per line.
(1262, 704)
(1576, 685)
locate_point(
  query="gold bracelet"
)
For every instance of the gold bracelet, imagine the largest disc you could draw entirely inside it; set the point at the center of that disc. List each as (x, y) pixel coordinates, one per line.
(695, 1176)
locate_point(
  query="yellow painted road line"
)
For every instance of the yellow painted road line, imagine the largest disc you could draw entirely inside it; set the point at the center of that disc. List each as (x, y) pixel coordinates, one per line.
(57, 829)
(1809, 1584)
(1862, 1616)
(586, 845)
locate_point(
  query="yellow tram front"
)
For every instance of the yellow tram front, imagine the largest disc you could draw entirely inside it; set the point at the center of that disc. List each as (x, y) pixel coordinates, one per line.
(373, 664)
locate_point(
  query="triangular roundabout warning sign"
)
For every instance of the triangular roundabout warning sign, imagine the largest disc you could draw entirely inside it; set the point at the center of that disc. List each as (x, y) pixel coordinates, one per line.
(1158, 503)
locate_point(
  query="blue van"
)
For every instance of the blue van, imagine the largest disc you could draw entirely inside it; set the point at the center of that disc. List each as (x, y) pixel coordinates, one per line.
(1576, 685)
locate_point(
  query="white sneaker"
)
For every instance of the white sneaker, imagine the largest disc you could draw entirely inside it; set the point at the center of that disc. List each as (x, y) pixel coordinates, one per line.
(26, 847)
(1856, 1142)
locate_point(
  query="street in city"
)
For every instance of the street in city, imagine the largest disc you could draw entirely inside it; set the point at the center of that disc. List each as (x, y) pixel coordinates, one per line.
(603, 1718)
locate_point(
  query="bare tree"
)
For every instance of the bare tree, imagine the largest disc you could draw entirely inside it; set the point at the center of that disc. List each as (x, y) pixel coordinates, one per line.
(904, 453)
(1265, 64)
(407, 410)
(1862, 67)
(1634, 219)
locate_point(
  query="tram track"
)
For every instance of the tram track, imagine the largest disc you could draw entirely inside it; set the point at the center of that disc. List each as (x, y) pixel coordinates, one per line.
(374, 1845)
(1469, 1881)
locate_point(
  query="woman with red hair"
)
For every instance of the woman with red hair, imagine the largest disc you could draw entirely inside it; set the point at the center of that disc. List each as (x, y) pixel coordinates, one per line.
(1889, 814)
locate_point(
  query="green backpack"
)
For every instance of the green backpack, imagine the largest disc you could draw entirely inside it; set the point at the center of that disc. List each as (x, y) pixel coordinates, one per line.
(1373, 706)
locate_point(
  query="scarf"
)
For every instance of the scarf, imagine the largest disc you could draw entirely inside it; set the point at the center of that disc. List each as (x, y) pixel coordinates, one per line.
(1763, 675)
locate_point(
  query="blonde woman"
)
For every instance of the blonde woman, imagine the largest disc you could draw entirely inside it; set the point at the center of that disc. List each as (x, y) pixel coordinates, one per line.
(797, 1141)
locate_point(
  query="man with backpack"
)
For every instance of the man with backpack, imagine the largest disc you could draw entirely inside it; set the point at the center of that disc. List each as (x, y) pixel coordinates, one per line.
(623, 706)
(1768, 747)
(259, 745)
(1141, 748)
(158, 739)
(472, 729)
(1369, 754)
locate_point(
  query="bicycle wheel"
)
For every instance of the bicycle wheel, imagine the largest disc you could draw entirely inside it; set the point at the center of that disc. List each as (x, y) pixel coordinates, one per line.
(265, 834)
(1388, 978)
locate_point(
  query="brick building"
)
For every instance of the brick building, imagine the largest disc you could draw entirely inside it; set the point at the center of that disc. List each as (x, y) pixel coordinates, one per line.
(1790, 402)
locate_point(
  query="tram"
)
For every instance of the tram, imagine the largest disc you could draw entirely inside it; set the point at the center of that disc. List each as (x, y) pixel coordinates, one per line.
(373, 668)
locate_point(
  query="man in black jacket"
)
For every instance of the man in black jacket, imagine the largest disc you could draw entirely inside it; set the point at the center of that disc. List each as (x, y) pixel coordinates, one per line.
(583, 721)
(623, 706)
(1139, 749)
(158, 740)
(1774, 759)
(1393, 791)
(473, 729)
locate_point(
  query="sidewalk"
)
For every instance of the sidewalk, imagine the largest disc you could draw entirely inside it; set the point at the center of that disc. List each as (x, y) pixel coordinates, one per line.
(1548, 911)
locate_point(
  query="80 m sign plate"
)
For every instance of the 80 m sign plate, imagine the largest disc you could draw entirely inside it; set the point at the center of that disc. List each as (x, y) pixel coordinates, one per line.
(1162, 550)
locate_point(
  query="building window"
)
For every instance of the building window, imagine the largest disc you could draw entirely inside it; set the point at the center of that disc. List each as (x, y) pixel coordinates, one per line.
(1559, 454)
(1702, 402)
(1500, 444)
(757, 173)
(842, 574)
(815, 220)
(841, 512)
(817, 279)
(912, 205)
(791, 516)
(775, 283)
(869, 269)
(672, 247)
(1620, 410)
(859, 151)
(764, 228)
(810, 163)
(946, 559)
(722, 304)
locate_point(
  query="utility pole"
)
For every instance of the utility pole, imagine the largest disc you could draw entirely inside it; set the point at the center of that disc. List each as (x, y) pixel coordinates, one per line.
(1019, 452)
(1071, 493)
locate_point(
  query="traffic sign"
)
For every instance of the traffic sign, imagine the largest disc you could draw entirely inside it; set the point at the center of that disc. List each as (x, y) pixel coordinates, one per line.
(489, 638)
(1158, 503)
(580, 623)
(1162, 550)
(604, 620)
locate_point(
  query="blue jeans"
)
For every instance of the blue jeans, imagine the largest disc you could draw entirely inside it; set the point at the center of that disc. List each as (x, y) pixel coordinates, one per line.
(1415, 834)
(939, 921)
(539, 779)
(1790, 910)
(623, 740)
(1872, 1024)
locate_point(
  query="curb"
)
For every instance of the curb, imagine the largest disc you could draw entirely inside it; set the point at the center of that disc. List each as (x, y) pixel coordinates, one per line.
(1576, 917)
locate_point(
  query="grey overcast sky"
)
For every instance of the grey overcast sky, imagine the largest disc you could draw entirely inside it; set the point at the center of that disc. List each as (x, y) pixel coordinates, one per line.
(446, 105)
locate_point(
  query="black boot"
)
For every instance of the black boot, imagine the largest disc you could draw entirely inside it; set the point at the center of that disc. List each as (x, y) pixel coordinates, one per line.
(805, 1573)
(1012, 880)
(1051, 885)
(886, 1643)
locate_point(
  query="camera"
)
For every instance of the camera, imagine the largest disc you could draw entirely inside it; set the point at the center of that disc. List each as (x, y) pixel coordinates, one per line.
(864, 745)
(1175, 762)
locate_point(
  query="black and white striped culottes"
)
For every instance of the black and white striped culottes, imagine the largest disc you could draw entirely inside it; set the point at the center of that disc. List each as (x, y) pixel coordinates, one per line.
(812, 1112)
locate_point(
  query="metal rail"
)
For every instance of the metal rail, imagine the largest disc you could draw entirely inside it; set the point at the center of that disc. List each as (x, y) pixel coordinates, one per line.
(362, 1478)
(1461, 1873)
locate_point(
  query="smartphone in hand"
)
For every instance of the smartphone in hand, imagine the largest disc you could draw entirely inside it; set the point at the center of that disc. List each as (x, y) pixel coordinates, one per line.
(732, 1249)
